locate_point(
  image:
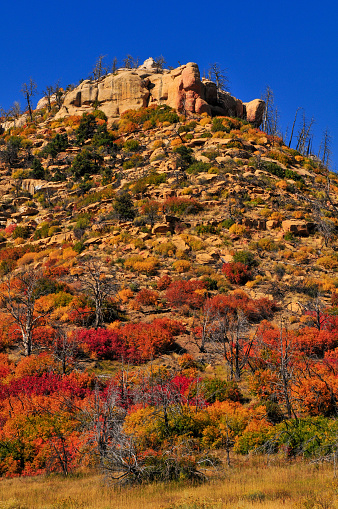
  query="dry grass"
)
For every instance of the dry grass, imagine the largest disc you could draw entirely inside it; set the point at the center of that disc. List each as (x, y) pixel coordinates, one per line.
(253, 483)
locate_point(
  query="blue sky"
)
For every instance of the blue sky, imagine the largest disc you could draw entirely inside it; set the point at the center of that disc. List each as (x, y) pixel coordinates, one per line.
(290, 46)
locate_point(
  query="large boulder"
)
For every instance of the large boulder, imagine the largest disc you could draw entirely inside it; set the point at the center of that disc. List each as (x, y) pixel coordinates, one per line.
(298, 227)
(254, 111)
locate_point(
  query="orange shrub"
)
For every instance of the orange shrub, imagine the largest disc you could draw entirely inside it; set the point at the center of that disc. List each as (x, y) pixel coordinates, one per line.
(147, 297)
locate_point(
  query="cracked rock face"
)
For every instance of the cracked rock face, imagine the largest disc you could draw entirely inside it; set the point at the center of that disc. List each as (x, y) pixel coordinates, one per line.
(180, 88)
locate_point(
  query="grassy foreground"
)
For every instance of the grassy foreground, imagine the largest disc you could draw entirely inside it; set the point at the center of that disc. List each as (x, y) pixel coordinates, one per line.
(249, 483)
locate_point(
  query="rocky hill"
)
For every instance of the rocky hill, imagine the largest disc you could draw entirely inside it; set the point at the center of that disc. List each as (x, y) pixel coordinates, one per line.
(150, 218)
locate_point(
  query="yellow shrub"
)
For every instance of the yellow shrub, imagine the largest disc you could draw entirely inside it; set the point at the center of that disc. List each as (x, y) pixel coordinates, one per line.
(205, 121)
(282, 184)
(133, 305)
(265, 212)
(279, 156)
(277, 216)
(175, 142)
(19, 241)
(156, 144)
(123, 238)
(237, 229)
(299, 158)
(26, 259)
(42, 254)
(267, 244)
(194, 243)
(124, 295)
(140, 264)
(327, 284)
(182, 266)
(220, 134)
(68, 253)
(328, 262)
(55, 254)
(165, 248)
(298, 214)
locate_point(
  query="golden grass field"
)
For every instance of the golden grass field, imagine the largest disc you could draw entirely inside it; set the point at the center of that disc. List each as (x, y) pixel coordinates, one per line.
(249, 483)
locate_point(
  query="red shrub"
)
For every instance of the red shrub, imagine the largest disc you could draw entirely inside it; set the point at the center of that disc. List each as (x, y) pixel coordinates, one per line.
(147, 297)
(163, 282)
(254, 309)
(55, 272)
(102, 343)
(146, 340)
(44, 336)
(191, 293)
(311, 341)
(236, 272)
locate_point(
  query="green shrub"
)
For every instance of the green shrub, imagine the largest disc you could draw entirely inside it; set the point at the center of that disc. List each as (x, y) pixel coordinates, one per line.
(205, 229)
(38, 170)
(58, 144)
(22, 232)
(215, 389)
(245, 257)
(134, 161)
(186, 157)
(100, 114)
(227, 223)
(131, 146)
(153, 179)
(86, 129)
(124, 207)
(217, 125)
(87, 162)
(198, 167)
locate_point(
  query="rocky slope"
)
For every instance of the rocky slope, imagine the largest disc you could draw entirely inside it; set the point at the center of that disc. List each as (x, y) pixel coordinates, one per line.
(254, 194)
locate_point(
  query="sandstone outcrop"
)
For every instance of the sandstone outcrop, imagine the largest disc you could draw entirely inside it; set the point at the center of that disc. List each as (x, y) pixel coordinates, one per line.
(254, 111)
(180, 88)
(298, 227)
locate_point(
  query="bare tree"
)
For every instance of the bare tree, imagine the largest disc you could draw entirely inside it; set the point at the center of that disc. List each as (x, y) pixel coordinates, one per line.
(325, 152)
(28, 90)
(16, 111)
(59, 94)
(304, 136)
(13, 113)
(18, 296)
(230, 332)
(159, 63)
(98, 285)
(270, 123)
(325, 227)
(114, 66)
(130, 62)
(280, 359)
(293, 125)
(65, 348)
(99, 69)
(220, 76)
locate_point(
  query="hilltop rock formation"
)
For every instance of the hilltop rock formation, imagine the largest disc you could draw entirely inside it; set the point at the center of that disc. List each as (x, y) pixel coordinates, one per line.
(180, 88)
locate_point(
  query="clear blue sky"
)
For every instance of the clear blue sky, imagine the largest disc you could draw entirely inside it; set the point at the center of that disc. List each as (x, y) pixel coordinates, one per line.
(291, 46)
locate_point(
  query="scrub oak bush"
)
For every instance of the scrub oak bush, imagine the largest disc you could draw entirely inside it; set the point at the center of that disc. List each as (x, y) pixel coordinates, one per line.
(236, 272)
(191, 293)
